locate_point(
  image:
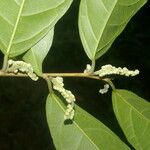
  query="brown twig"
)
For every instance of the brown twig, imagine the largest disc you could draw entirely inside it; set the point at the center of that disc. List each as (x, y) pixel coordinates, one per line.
(49, 75)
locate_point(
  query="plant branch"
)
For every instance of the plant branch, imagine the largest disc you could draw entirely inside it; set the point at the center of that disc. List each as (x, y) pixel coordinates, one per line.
(6, 74)
(49, 75)
(77, 75)
(110, 83)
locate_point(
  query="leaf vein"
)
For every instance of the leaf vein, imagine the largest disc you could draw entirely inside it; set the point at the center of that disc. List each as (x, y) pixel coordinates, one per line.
(40, 12)
(91, 28)
(133, 107)
(122, 4)
(104, 6)
(76, 124)
(15, 28)
(7, 21)
(27, 39)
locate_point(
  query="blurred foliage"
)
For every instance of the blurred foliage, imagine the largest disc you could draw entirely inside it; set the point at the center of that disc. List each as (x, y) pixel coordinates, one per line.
(22, 102)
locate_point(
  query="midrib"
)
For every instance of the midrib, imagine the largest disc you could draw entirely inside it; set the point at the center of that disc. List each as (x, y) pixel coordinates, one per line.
(106, 23)
(15, 28)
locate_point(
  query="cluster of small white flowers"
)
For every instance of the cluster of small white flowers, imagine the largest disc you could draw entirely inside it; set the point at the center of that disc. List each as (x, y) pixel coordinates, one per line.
(21, 66)
(68, 96)
(69, 114)
(105, 89)
(88, 68)
(58, 84)
(109, 70)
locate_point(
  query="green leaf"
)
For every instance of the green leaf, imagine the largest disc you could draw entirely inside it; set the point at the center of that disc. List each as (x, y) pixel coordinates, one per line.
(85, 132)
(101, 21)
(37, 53)
(25, 22)
(133, 114)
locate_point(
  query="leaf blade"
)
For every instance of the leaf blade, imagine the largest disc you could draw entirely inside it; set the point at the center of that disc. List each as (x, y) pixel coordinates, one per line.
(35, 56)
(84, 133)
(133, 114)
(27, 21)
(101, 21)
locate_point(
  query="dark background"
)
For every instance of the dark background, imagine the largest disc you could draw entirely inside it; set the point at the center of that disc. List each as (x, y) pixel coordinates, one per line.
(22, 101)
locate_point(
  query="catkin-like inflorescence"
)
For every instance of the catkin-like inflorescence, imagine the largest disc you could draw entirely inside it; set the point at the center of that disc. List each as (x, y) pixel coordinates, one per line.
(105, 89)
(21, 66)
(69, 113)
(109, 70)
(68, 96)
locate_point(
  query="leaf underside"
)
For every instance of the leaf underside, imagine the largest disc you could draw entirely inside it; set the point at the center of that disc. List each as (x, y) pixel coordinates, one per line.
(133, 114)
(35, 56)
(101, 21)
(24, 22)
(85, 132)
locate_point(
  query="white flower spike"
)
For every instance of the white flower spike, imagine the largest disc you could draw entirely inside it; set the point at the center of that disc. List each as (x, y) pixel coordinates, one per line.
(58, 85)
(69, 114)
(21, 66)
(109, 70)
(105, 89)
